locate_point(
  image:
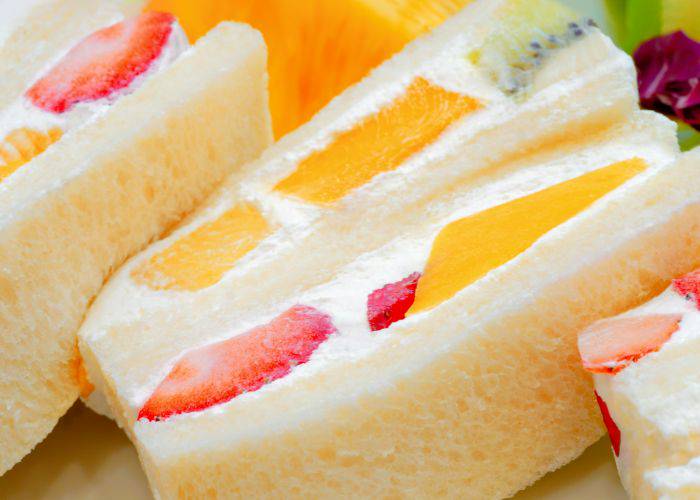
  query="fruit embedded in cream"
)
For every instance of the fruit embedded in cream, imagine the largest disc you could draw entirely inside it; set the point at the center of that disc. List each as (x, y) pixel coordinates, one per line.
(95, 73)
(645, 367)
(219, 372)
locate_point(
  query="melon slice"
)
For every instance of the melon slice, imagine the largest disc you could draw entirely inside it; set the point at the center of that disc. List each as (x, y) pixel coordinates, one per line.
(645, 368)
(317, 48)
(102, 192)
(504, 129)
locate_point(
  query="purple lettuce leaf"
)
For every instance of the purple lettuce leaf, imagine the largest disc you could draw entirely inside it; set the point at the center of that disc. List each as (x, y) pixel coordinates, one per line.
(668, 69)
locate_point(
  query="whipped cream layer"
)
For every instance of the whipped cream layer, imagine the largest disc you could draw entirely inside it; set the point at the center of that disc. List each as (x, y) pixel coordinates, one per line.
(655, 404)
(23, 114)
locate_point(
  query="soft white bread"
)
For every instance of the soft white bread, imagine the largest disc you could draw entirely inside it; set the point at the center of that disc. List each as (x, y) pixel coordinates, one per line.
(45, 32)
(74, 213)
(475, 398)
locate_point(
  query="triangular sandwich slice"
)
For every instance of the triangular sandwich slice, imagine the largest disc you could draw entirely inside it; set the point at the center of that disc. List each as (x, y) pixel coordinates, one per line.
(103, 151)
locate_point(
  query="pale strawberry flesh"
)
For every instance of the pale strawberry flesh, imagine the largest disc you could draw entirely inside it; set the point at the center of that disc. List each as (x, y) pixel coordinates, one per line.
(689, 286)
(219, 372)
(611, 345)
(610, 425)
(104, 63)
(390, 303)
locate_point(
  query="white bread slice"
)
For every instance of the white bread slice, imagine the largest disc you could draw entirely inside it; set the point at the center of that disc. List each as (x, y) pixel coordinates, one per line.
(474, 150)
(46, 31)
(74, 213)
(475, 398)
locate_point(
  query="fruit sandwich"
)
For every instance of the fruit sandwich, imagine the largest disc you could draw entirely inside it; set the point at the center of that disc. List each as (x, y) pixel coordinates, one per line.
(107, 147)
(646, 381)
(488, 184)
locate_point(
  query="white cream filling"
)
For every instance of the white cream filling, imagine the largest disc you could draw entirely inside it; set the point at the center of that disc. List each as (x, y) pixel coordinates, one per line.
(667, 483)
(23, 114)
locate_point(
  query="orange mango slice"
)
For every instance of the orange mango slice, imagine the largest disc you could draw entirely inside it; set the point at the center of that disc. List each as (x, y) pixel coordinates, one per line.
(202, 257)
(22, 145)
(379, 143)
(469, 248)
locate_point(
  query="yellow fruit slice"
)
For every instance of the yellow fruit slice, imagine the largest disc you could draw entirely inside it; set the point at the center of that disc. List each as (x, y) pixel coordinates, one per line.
(379, 143)
(316, 47)
(468, 248)
(202, 257)
(23, 144)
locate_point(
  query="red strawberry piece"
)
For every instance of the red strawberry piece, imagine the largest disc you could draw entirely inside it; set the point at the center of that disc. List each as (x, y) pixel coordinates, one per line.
(689, 286)
(610, 345)
(103, 63)
(391, 302)
(219, 372)
(613, 429)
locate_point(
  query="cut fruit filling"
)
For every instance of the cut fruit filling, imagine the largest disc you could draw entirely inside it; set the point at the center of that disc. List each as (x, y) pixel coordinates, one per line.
(202, 257)
(23, 144)
(610, 425)
(104, 63)
(610, 345)
(390, 303)
(689, 286)
(101, 65)
(379, 143)
(219, 372)
(469, 248)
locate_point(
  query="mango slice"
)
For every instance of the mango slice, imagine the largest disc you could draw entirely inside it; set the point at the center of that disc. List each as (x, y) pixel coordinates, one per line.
(201, 258)
(379, 143)
(467, 249)
(22, 145)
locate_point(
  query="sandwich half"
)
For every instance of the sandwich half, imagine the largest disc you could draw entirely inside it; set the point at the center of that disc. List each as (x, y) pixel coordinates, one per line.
(509, 107)
(443, 362)
(103, 151)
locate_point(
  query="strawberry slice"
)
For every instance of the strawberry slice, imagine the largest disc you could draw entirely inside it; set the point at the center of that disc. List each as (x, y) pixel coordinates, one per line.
(613, 429)
(689, 286)
(219, 372)
(103, 63)
(391, 302)
(610, 345)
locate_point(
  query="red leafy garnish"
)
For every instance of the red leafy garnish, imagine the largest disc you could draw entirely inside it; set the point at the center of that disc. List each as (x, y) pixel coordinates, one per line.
(613, 429)
(390, 303)
(668, 69)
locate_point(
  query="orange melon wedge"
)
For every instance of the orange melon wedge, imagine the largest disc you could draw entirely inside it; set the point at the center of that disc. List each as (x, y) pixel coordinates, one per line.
(317, 47)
